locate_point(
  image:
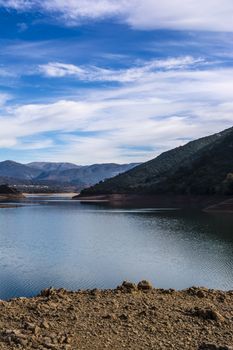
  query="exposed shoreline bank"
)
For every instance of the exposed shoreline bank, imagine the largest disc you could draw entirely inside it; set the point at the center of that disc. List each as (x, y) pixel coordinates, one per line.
(9, 206)
(9, 197)
(63, 194)
(128, 317)
(206, 203)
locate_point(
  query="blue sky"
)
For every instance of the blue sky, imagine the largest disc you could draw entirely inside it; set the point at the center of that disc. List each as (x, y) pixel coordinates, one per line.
(112, 81)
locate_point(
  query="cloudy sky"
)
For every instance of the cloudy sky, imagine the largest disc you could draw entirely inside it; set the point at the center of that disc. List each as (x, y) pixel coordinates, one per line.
(93, 81)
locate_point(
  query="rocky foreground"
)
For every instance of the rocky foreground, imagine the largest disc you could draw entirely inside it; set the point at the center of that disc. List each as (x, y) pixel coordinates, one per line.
(129, 317)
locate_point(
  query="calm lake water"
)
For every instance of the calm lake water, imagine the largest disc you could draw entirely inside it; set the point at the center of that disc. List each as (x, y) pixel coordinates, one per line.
(54, 241)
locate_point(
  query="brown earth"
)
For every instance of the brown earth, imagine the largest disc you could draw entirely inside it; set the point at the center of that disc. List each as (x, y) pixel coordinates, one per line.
(129, 317)
(9, 206)
(9, 197)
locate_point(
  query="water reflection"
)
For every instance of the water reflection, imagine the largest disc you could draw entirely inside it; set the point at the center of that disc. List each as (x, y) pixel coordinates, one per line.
(63, 243)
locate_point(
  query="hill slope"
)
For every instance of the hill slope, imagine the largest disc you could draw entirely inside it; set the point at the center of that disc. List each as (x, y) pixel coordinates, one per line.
(12, 169)
(86, 175)
(210, 173)
(58, 174)
(199, 167)
(52, 166)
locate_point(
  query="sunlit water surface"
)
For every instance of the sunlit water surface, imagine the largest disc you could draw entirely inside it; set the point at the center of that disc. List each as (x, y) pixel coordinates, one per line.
(54, 241)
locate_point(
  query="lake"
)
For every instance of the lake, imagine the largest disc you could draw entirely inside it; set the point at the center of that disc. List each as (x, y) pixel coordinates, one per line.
(55, 241)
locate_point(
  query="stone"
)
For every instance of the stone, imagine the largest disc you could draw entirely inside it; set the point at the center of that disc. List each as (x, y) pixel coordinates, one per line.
(145, 285)
(124, 317)
(206, 314)
(48, 292)
(127, 318)
(200, 294)
(45, 325)
(128, 287)
(206, 346)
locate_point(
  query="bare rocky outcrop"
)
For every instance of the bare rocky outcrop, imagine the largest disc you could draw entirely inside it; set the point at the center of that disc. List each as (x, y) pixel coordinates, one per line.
(128, 317)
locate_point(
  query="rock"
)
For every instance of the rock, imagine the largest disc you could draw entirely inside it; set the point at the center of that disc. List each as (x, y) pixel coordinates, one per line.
(48, 292)
(200, 294)
(145, 285)
(94, 291)
(128, 286)
(15, 336)
(49, 345)
(124, 317)
(32, 327)
(17, 333)
(197, 292)
(206, 314)
(206, 346)
(168, 291)
(21, 341)
(107, 317)
(67, 339)
(45, 325)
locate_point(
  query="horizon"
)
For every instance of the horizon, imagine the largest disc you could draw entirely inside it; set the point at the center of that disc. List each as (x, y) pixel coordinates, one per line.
(81, 165)
(112, 81)
(112, 162)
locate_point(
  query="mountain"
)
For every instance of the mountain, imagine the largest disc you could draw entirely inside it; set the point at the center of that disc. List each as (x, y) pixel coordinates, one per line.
(12, 169)
(57, 175)
(209, 173)
(86, 175)
(203, 166)
(52, 166)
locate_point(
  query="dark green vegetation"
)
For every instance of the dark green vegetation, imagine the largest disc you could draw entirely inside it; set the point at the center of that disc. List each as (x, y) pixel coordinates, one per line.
(5, 190)
(56, 177)
(203, 166)
(8, 193)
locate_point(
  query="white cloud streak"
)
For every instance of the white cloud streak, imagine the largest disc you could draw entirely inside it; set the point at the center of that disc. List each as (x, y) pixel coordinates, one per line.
(93, 73)
(4, 98)
(132, 122)
(209, 15)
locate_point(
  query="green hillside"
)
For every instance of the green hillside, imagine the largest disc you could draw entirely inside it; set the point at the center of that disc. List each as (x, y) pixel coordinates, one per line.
(202, 166)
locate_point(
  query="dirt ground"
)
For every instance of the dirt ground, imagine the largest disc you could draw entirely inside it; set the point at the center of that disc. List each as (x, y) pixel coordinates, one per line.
(128, 317)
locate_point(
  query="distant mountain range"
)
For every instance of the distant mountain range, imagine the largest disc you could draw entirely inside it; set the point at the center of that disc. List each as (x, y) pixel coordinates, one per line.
(57, 175)
(203, 166)
(50, 166)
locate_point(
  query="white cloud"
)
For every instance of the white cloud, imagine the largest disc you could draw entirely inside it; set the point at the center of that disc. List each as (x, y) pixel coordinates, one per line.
(210, 15)
(93, 73)
(4, 72)
(132, 122)
(4, 98)
(57, 70)
(8, 142)
(18, 4)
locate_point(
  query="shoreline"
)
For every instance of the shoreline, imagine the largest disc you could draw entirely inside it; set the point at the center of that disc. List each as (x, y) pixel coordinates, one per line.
(8, 197)
(65, 194)
(52, 194)
(129, 317)
(207, 203)
(9, 206)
